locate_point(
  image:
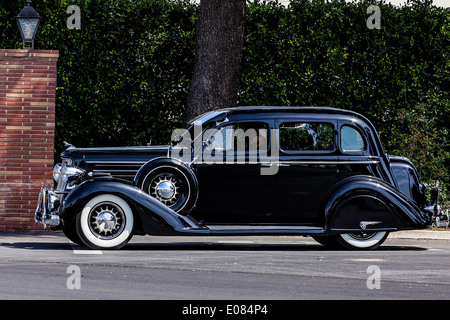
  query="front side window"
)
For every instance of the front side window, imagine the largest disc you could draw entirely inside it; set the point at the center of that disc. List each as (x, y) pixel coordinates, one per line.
(306, 136)
(243, 136)
(351, 139)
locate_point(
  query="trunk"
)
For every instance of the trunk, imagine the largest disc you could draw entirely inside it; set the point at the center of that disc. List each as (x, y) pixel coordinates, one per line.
(220, 34)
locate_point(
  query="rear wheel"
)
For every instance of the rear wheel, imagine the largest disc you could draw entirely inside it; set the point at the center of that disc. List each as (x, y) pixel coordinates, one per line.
(362, 240)
(106, 222)
(354, 241)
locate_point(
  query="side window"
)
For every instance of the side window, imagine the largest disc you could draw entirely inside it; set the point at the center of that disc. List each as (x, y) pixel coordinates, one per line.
(407, 182)
(401, 175)
(303, 136)
(242, 136)
(351, 139)
(413, 185)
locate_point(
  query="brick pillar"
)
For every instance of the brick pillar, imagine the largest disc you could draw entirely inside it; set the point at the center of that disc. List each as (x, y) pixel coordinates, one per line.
(27, 128)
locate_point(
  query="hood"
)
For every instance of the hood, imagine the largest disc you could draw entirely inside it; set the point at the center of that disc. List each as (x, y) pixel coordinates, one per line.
(114, 154)
(116, 150)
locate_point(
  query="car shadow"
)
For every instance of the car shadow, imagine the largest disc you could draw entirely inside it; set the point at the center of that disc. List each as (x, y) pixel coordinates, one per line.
(213, 246)
(37, 245)
(198, 246)
(62, 243)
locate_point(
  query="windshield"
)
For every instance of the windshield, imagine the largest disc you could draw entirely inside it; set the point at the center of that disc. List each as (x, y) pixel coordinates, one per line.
(205, 117)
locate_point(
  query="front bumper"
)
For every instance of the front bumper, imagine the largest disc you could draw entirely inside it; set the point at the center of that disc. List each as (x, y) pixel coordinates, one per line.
(47, 210)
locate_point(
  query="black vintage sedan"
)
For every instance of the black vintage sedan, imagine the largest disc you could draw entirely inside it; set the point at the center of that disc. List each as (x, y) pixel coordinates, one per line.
(311, 171)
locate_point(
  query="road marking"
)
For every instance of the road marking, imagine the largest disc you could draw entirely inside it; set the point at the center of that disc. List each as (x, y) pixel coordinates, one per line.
(83, 250)
(366, 260)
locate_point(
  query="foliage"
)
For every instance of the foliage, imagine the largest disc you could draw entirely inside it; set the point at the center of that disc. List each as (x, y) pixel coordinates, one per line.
(318, 52)
(124, 77)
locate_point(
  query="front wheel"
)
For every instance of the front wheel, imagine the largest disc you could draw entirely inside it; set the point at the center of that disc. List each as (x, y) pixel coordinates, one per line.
(106, 222)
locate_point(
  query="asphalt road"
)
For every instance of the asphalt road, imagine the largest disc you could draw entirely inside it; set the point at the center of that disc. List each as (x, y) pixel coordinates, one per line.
(48, 266)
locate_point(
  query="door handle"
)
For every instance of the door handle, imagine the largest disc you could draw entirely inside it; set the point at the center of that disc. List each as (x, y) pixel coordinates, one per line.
(269, 164)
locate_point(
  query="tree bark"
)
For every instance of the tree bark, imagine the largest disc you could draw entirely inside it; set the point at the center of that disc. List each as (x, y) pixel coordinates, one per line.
(220, 34)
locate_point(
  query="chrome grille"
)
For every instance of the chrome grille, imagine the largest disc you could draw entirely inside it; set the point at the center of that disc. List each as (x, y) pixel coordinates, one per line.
(124, 170)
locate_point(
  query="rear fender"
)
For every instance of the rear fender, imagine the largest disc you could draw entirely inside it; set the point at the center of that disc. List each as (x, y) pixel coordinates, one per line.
(367, 203)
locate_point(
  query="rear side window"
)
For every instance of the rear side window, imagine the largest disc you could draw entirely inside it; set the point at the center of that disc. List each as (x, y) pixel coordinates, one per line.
(351, 139)
(402, 177)
(303, 136)
(407, 182)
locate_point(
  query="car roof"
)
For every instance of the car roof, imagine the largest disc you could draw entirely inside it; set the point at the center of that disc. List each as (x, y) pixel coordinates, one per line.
(276, 111)
(292, 109)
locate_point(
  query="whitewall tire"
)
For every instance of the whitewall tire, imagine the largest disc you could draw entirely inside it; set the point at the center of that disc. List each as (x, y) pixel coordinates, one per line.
(106, 222)
(362, 241)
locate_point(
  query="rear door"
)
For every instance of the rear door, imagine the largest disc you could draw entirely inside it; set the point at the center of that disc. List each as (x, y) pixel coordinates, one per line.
(308, 169)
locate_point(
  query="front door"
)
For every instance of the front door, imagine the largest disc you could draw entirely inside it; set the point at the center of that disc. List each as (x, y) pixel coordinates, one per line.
(231, 186)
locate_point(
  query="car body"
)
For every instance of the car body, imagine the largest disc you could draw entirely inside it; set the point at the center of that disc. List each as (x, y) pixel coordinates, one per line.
(311, 171)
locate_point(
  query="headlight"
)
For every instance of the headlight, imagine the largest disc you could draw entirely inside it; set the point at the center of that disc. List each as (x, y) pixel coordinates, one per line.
(69, 172)
(57, 172)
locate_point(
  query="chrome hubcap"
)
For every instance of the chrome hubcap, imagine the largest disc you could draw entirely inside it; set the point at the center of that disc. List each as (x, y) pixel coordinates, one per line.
(106, 220)
(165, 188)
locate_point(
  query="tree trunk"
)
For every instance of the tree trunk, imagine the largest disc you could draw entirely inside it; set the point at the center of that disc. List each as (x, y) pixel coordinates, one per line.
(220, 34)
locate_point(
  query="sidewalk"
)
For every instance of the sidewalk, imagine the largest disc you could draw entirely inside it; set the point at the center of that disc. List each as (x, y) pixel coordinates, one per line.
(421, 234)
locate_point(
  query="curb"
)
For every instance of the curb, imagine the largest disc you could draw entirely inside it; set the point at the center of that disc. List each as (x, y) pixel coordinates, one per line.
(421, 234)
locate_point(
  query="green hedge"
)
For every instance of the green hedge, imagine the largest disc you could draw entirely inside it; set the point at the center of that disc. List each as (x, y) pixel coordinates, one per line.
(322, 53)
(124, 77)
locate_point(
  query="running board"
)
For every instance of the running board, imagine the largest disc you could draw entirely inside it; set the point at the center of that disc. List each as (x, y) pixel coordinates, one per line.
(221, 229)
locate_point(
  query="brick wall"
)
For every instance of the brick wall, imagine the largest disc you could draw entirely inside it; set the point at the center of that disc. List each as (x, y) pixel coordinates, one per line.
(27, 126)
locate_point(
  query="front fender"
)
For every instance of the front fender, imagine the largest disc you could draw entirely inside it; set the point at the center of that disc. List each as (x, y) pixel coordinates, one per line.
(362, 202)
(153, 216)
